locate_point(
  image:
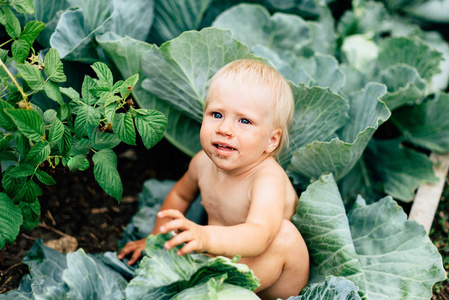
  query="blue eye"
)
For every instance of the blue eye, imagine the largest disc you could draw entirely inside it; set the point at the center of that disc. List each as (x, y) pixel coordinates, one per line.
(245, 121)
(216, 115)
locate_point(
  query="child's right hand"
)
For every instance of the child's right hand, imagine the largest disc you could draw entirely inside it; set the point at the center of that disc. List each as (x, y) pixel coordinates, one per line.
(135, 247)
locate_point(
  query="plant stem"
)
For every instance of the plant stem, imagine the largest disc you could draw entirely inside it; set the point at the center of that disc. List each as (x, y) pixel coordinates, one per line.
(1, 46)
(24, 96)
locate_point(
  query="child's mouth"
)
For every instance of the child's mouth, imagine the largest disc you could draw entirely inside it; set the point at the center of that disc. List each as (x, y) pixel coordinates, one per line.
(223, 147)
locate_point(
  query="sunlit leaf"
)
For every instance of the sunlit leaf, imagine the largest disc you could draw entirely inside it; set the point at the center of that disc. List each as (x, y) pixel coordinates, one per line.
(106, 174)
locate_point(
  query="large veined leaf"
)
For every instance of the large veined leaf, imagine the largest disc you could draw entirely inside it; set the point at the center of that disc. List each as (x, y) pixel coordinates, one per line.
(182, 272)
(54, 275)
(106, 174)
(316, 70)
(425, 124)
(382, 239)
(413, 52)
(253, 25)
(389, 244)
(317, 116)
(340, 154)
(400, 169)
(11, 219)
(138, 26)
(94, 18)
(88, 280)
(173, 17)
(215, 288)
(332, 288)
(321, 219)
(73, 39)
(432, 11)
(178, 72)
(404, 86)
(181, 131)
(49, 12)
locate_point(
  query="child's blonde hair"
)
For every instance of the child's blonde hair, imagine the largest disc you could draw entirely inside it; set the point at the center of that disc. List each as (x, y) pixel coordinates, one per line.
(253, 72)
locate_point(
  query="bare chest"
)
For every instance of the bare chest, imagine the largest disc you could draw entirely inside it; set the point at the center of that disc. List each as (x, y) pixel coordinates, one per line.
(226, 203)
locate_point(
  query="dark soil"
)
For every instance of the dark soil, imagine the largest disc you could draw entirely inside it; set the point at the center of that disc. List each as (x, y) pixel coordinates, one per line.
(78, 207)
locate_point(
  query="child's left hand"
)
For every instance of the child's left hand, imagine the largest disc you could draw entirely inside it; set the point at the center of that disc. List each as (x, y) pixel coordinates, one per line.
(194, 235)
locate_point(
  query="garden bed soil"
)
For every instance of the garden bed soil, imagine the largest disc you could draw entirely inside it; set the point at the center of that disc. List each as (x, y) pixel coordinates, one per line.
(77, 213)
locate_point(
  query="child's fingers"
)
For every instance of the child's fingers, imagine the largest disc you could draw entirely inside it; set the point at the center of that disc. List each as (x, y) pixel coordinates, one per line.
(191, 246)
(177, 224)
(170, 213)
(180, 238)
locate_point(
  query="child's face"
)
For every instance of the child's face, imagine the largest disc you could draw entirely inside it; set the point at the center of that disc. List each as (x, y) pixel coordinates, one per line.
(238, 127)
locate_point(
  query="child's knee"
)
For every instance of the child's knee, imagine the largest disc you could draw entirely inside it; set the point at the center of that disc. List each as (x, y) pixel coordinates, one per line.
(288, 235)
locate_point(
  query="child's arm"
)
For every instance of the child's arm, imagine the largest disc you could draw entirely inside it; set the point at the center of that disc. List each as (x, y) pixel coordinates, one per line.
(179, 198)
(248, 239)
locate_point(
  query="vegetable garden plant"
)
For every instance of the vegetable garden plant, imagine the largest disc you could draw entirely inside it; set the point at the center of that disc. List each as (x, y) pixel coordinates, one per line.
(370, 95)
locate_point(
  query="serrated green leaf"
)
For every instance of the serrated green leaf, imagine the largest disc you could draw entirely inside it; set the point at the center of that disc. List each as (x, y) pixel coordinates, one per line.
(23, 6)
(54, 67)
(78, 163)
(103, 140)
(38, 153)
(87, 117)
(52, 90)
(32, 75)
(8, 155)
(31, 31)
(123, 127)
(88, 84)
(5, 120)
(117, 86)
(20, 50)
(71, 93)
(56, 131)
(128, 85)
(29, 122)
(22, 143)
(106, 174)
(31, 213)
(64, 112)
(65, 143)
(104, 75)
(111, 100)
(44, 177)
(10, 218)
(151, 127)
(12, 24)
(82, 146)
(101, 91)
(22, 170)
(28, 192)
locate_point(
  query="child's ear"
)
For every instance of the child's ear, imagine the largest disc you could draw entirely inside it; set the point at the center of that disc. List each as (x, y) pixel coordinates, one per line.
(275, 138)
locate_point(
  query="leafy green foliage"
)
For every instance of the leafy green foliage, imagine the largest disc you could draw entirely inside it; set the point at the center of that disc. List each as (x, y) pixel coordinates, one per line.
(37, 138)
(366, 87)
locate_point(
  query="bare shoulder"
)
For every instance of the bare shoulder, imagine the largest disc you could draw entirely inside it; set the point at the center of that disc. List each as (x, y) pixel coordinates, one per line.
(271, 170)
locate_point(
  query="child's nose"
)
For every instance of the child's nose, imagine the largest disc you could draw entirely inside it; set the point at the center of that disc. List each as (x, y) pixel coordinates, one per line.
(224, 129)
